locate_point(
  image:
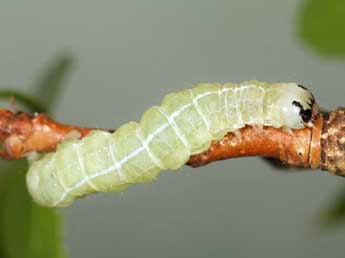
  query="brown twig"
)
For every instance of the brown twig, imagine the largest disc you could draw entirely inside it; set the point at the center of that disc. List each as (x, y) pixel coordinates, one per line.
(322, 146)
(296, 148)
(22, 133)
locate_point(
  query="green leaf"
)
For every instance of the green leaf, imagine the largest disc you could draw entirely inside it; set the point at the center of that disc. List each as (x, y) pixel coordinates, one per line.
(49, 83)
(27, 230)
(30, 102)
(321, 25)
(334, 214)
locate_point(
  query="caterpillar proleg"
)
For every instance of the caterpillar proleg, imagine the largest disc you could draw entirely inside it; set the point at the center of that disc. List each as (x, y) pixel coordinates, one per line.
(184, 124)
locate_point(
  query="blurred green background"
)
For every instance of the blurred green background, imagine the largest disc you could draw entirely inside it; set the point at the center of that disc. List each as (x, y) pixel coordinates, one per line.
(102, 63)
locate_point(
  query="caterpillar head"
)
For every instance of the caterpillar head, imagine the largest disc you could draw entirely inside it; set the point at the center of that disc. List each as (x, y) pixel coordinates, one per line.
(298, 106)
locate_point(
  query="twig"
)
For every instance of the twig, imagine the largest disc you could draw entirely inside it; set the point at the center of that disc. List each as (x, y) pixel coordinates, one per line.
(322, 146)
(22, 133)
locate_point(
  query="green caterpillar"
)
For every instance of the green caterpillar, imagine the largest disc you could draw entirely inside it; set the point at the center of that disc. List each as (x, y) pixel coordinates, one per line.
(184, 124)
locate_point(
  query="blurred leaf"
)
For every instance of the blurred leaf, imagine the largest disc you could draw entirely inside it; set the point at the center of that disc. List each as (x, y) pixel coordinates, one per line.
(334, 214)
(4, 165)
(322, 26)
(27, 230)
(48, 86)
(32, 103)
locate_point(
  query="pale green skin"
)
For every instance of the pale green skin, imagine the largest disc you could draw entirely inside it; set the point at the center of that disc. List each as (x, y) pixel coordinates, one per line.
(164, 139)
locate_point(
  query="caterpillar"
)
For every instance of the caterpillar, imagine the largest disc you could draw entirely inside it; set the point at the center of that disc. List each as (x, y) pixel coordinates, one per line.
(166, 136)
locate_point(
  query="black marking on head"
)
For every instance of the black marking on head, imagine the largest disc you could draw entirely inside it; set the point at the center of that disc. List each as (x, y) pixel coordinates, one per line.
(306, 114)
(313, 107)
(301, 86)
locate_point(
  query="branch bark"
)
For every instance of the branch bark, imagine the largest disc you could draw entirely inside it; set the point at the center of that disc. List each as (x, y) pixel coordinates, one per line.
(322, 146)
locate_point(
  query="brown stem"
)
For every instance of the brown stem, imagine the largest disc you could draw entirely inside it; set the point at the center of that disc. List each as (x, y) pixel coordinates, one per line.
(320, 146)
(22, 133)
(297, 147)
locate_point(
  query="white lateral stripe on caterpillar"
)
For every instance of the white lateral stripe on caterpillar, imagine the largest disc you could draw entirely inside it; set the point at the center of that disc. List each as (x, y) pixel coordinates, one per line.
(82, 167)
(146, 147)
(146, 142)
(283, 104)
(118, 167)
(196, 105)
(134, 153)
(174, 127)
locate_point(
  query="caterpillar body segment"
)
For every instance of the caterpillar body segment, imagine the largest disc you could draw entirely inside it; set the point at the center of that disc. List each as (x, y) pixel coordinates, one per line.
(184, 124)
